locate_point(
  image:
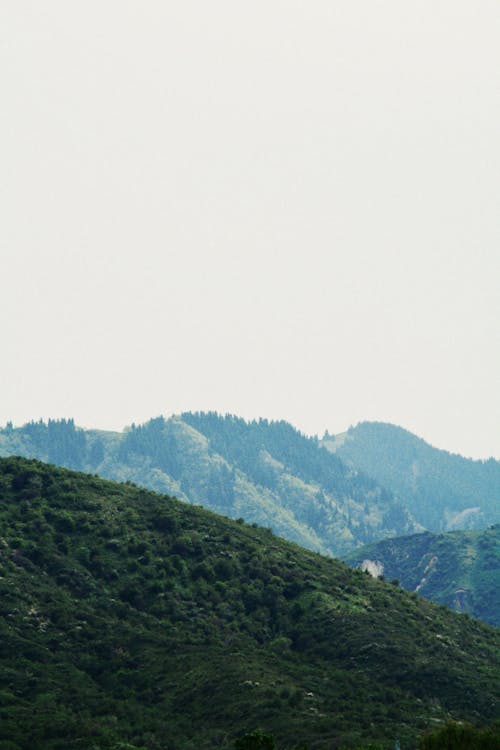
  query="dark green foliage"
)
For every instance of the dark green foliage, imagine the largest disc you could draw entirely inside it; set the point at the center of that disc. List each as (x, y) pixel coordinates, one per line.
(128, 617)
(456, 736)
(257, 740)
(460, 569)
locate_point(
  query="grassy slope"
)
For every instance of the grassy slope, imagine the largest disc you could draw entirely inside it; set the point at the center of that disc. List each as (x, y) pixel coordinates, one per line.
(130, 616)
(460, 568)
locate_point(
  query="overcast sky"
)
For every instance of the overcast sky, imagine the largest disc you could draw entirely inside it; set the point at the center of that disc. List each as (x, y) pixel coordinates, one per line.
(285, 209)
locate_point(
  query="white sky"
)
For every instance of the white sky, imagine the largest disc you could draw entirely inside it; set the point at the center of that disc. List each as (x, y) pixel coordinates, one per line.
(285, 209)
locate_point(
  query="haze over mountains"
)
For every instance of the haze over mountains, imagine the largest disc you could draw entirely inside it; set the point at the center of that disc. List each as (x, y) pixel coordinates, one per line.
(132, 620)
(374, 481)
(266, 472)
(274, 209)
(317, 493)
(443, 491)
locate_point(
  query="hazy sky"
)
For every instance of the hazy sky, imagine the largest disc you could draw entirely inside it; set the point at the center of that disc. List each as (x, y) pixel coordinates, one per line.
(286, 209)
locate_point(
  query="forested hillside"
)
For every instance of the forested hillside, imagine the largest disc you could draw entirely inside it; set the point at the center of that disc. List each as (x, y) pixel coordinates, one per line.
(460, 569)
(265, 472)
(131, 620)
(442, 491)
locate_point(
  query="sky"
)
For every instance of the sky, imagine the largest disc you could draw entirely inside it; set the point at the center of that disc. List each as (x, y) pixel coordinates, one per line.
(284, 209)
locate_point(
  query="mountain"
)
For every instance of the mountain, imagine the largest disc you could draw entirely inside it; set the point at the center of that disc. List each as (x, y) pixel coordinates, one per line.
(443, 491)
(265, 472)
(131, 620)
(460, 569)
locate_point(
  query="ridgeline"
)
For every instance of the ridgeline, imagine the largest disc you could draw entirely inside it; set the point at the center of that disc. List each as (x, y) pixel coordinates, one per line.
(265, 472)
(443, 491)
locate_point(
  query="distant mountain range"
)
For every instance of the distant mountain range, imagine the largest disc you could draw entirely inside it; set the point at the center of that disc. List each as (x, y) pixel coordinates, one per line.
(265, 472)
(460, 569)
(442, 491)
(317, 493)
(331, 495)
(131, 620)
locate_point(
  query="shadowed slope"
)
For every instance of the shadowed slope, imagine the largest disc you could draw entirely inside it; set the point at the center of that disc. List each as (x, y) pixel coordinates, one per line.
(130, 616)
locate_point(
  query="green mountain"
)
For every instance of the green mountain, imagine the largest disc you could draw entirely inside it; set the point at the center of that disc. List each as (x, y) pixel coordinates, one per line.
(460, 569)
(132, 620)
(265, 472)
(442, 491)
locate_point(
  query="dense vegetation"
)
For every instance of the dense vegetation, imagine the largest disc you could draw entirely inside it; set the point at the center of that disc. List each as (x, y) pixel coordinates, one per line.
(459, 568)
(266, 472)
(452, 736)
(459, 736)
(442, 491)
(131, 620)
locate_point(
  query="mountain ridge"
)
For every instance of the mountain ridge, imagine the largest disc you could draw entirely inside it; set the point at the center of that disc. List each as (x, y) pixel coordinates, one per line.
(266, 472)
(441, 490)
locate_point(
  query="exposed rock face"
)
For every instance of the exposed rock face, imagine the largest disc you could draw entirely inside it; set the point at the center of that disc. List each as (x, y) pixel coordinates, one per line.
(460, 569)
(374, 567)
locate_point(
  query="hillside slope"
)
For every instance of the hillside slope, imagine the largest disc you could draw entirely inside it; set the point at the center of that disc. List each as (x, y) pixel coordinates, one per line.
(265, 472)
(460, 569)
(131, 617)
(442, 491)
